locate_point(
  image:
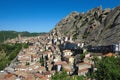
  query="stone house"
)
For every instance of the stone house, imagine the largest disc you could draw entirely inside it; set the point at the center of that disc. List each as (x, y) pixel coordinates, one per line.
(83, 72)
(41, 69)
(67, 53)
(35, 58)
(58, 65)
(83, 68)
(23, 58)
(69, 59)
(21, 68)
(47, 55)
(9, 76)
(68, 68)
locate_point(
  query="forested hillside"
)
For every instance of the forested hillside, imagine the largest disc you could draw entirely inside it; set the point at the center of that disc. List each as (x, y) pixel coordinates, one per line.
(4, 35)
(8, 52)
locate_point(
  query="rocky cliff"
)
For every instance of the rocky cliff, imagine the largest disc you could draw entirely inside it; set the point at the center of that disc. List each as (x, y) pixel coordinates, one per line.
(95, 27)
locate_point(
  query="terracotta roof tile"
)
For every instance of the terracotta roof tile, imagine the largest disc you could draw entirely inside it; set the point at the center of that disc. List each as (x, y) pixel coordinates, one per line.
(82, 70)
(8, 75)
(60, 63)
(39, 75)
(109, 54)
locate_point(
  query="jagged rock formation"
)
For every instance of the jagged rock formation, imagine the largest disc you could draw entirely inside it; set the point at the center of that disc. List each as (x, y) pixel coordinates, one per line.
(95, 27)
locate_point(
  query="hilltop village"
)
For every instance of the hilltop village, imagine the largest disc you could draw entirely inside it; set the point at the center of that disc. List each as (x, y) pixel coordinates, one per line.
(48, 54)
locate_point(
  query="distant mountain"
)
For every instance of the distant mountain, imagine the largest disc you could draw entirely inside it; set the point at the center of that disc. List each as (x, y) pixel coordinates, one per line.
(95, 27)
(4, 35)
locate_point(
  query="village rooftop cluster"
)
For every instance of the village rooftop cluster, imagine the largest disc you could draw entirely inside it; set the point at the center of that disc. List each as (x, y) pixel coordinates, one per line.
(48, 54)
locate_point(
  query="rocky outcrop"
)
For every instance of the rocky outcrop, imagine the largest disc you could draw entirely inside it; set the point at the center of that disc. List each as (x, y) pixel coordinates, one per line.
(95, 27)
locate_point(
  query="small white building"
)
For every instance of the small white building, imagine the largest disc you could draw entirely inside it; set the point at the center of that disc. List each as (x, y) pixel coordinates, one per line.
(66, 38)
(67, 53)
(59, 64)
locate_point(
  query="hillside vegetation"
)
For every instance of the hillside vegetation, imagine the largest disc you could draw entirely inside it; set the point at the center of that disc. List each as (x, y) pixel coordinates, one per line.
(4, 35)
(8, 52)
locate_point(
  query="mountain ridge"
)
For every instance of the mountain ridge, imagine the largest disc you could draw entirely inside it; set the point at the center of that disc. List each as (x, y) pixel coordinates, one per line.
(95, 27)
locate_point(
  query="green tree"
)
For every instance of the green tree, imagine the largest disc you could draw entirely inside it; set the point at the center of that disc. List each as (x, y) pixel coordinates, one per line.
(77, 78)
(9, 52)
(95, 60)
(60, 75)
(42, 61)
(108, 69)
(27, 63)
(64, 76)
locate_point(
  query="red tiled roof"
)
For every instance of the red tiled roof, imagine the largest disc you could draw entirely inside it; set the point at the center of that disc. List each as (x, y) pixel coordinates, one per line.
(47, 73)
(109, 54)
(68, 56)
(82, 70)
(30, 77)
(8, 75)
(84, 63)
(60, 63)
(47, 52)
(45, 78)
(67, 69)
(35, 56)
(39, 75)
(67, 51)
